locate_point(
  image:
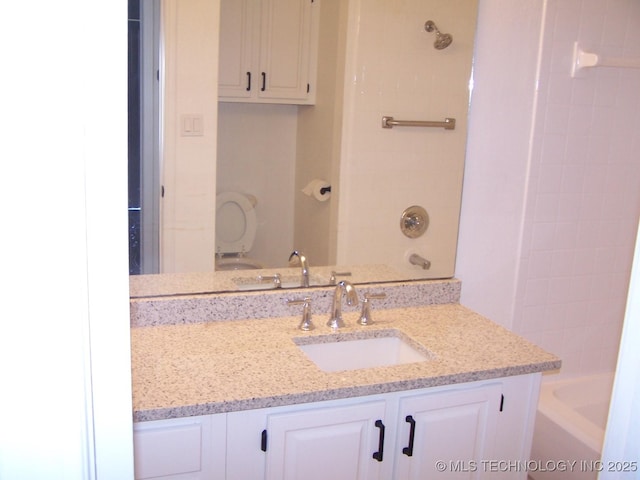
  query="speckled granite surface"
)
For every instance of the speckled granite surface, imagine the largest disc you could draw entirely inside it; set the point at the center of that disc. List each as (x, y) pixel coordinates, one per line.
(238, 280)
(203, 368)
(185, 309)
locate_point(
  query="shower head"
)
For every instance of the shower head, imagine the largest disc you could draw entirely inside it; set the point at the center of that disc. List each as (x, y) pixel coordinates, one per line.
(443, 40)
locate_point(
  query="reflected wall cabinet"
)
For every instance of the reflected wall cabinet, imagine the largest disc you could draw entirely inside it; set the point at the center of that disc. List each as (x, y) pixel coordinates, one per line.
(268, 51)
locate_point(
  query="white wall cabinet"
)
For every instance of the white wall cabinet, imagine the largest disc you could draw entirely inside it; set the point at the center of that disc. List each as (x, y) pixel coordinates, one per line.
(268, 51)
(450, 432)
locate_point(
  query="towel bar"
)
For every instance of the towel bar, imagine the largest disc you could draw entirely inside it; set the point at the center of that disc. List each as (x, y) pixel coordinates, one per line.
(582, 59)
(447, 124)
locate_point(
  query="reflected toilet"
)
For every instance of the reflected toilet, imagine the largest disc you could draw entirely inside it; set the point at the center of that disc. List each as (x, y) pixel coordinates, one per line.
(236, 225)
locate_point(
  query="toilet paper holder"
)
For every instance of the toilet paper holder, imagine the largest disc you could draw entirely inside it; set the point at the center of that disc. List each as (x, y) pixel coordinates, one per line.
(318, 189)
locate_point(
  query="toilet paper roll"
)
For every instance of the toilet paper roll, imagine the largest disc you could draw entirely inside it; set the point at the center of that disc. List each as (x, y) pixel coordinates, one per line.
(318, 189)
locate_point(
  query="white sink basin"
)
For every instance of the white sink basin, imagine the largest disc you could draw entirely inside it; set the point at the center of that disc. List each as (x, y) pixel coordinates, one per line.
(334, 353)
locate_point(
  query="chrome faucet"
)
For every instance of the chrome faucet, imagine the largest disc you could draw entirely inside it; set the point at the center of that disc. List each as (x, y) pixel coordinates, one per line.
(304, 280)
(343, 287)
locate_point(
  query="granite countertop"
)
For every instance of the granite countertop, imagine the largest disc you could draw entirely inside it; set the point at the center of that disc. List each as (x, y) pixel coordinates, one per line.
(193, 283)
(223, 366)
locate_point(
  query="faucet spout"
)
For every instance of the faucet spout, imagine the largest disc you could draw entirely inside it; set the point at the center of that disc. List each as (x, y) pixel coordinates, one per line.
(304, 280)
(342, 288)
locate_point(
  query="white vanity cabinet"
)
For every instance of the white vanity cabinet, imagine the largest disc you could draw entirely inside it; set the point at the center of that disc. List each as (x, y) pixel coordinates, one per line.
(190, 448)
(448, 432)
(375, 440)
(333, 439)
(268, 51)
(332, 442)
(479, 430)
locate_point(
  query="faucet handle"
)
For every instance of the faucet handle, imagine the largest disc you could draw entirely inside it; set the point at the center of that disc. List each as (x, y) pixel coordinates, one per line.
(277, 281)
(365, 316)
(334, 274)
(306, 323)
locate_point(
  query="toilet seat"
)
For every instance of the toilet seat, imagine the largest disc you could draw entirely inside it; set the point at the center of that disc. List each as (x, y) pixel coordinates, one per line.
(235, 223)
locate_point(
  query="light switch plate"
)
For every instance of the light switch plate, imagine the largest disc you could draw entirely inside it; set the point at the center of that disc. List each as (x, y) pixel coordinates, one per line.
(192, 125)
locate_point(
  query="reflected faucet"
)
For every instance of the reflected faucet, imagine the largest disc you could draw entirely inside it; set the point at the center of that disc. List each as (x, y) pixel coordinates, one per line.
(343, 287)
(304, 280)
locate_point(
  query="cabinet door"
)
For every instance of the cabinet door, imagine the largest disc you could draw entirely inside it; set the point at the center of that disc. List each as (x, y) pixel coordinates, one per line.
(336, 443)
(237, 48)
(447, 435)
(245, 458)
(180, 449)
(285, 49)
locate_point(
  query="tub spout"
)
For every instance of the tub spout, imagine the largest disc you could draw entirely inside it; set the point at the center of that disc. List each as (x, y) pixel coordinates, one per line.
(416, 259)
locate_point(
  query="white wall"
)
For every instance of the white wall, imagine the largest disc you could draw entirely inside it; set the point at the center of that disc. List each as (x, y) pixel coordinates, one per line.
(622, 440)
(257, 156)
(496, 165)
(65, 376)
(551, 198)
(189, 162)
(319, 133)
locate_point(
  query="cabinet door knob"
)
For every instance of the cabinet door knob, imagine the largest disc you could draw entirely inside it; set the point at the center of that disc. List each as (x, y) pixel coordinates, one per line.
(264, 81)
(248, 81)
(378, 455)
(408, 450)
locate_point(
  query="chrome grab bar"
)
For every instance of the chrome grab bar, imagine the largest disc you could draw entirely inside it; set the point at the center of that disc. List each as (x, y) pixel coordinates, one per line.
(447, 124)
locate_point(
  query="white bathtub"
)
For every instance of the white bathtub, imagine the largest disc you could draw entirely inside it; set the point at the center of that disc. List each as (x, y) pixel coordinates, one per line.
(569, 429)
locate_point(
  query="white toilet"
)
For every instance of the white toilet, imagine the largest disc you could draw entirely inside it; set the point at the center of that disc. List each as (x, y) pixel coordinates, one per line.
(235, 231)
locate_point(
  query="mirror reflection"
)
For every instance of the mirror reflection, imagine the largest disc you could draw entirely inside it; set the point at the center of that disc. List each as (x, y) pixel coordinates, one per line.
(264, 105)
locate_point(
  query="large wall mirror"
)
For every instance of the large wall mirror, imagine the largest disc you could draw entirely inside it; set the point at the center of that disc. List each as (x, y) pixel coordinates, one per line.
(264, 119)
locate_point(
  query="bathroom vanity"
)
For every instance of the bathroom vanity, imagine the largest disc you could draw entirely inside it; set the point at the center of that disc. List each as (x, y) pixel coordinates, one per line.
(239, 398)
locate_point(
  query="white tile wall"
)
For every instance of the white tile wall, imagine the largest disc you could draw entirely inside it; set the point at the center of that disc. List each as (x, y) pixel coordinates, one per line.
(396, 71)
(582, 189)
